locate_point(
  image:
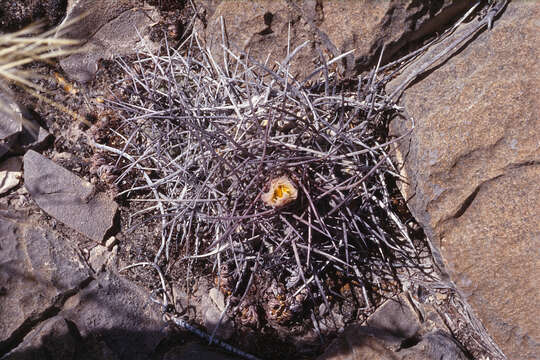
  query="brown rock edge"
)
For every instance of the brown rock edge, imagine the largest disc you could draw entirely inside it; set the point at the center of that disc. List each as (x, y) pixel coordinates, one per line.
(473, 161)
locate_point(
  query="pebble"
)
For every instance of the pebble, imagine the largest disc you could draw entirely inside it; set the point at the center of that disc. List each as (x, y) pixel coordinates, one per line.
(110, 243)
(10, 174)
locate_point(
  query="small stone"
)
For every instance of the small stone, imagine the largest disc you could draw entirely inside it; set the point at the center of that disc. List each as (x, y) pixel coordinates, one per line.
(212, 308)
(98, 258)
(10, 174)
(10, 123)
(211, 320)
(10, 117)
(33, 136)
(218, 298)
(112, 262)
(396, 316)
(110, 243)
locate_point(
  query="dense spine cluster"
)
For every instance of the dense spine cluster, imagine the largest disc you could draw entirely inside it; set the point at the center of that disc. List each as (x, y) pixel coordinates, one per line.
(253, 171)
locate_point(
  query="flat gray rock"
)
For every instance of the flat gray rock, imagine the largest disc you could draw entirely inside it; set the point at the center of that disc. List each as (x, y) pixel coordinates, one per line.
(38, 272)
(112, 312)
(67, 197)
(112, 30)
(111, 318)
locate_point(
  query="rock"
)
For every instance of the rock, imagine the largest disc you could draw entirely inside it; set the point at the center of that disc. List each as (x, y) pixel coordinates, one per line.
(362, 343)
(436, 345)
(114, 30)
(112, 241)
(367, 343)
(52, 307)
(397, 317)
(211, 315)
(98, 258)
(14, 15)
(91, 15)
(335, 27)
(218, 298)
(67, 197)
(368, 26)
(112, 259)
(110, 318)
(10, 173)
(393, 332)
(52, 338)
(10, 117)
(38, 272)
(18, 129)
(10, 123)
(473, 164)
(34, 137)
(119, 314)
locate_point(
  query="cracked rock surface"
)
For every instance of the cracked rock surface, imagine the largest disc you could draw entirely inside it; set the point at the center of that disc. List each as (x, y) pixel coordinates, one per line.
(38, 272)
(109, 29)
(332, 27)
(473, 161)
(53, 306)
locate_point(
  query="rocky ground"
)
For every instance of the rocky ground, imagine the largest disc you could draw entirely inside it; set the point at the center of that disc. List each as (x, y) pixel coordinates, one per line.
(471, 164)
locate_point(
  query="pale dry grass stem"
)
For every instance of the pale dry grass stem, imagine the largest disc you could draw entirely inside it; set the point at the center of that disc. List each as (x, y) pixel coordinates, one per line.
(28, 46)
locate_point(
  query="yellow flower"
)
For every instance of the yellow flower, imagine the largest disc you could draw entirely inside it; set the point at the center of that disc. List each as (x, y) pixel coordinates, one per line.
(282, 192)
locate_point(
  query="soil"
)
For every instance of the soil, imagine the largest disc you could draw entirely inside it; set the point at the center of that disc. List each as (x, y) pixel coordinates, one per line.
(15, 15)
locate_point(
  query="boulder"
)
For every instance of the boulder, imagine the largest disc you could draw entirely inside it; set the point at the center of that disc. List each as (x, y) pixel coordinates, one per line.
(109, 29)
(68, 198)
(473, 164)
(53, 306)
(333, 27)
